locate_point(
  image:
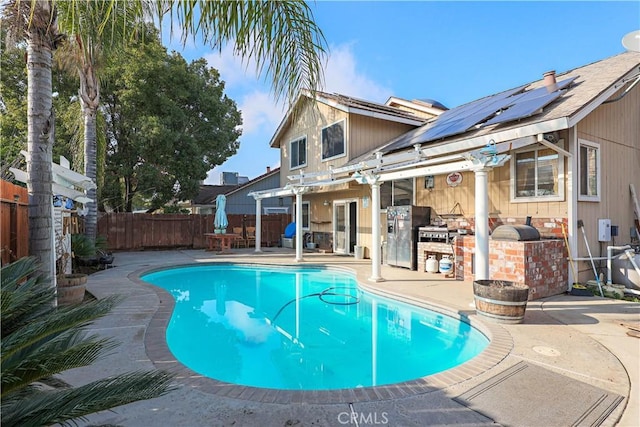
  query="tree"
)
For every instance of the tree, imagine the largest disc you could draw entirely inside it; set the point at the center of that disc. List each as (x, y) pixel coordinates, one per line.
(161, 150)
(279, 35)
(40, 340)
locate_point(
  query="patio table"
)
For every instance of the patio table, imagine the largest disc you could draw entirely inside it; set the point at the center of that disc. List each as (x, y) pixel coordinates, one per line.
(221, 241)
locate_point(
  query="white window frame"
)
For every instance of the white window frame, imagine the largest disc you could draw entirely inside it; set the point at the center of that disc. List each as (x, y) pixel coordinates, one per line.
(344, 141)
(561, 178)
(301, 165)
(595, 146)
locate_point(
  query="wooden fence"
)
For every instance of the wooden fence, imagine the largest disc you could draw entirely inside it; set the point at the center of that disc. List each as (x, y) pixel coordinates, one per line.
(130, 232)
(14, 222)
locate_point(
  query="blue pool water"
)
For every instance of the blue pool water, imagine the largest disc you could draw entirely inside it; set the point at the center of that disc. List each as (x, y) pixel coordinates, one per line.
(304, 328)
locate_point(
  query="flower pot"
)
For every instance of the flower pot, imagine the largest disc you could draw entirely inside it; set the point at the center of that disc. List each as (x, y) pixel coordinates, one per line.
(311, 245)
(500, 301)
(220, 231)
(70, 288)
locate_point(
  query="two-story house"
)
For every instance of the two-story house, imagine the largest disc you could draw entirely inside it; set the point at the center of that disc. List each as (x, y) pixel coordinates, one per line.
(562, 152)
(323, 132)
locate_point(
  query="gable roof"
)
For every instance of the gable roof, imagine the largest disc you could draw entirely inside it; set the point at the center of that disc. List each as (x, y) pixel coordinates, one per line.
(348, 105)
(275, 171)
(592, 85)
(208, 193)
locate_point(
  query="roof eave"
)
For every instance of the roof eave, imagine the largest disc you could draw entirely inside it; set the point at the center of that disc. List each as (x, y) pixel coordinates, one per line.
(589, 107)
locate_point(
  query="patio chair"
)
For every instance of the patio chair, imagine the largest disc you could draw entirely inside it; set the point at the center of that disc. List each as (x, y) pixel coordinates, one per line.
(251, 236)
(241, 241)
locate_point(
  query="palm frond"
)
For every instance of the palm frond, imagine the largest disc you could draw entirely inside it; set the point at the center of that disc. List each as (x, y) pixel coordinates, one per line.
(40, 340)
(280, 36)
(60, 406)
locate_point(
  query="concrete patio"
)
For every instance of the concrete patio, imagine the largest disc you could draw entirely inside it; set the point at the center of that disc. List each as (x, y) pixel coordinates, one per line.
(577, 342)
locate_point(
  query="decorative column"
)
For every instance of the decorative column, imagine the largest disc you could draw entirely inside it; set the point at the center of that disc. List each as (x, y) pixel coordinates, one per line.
(482, 225)
(258, 224)
(376, 258)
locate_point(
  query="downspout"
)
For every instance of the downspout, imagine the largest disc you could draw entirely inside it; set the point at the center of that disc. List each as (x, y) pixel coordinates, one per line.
(572, 200)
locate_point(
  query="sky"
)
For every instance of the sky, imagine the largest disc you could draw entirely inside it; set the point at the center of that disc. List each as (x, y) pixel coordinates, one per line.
(450, 51)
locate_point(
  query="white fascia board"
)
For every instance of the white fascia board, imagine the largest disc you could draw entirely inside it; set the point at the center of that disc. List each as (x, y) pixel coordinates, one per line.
(598, 100)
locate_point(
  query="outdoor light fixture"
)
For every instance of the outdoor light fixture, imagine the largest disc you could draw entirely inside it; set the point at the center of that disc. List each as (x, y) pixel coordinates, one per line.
(326, 203)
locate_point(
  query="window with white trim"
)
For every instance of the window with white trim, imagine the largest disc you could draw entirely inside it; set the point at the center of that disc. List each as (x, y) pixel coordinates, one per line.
(333, 141)
(537, 174)
(298, 150)
(589, 171)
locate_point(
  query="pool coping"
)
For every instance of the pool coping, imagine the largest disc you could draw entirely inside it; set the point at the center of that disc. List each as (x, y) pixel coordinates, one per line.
(499, 347)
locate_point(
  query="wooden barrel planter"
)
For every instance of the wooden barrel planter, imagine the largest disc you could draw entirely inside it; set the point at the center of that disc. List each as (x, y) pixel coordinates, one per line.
(70, 288)
(501, 301)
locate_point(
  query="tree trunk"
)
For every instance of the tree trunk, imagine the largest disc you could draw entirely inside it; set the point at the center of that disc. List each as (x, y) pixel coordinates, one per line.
(90, 100)
(40, 124)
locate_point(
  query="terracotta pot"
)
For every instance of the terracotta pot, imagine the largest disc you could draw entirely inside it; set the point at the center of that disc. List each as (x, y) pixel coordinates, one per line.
(501, 301)
(71, 288)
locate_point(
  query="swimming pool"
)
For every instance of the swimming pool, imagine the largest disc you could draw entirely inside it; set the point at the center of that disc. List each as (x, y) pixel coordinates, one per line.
(304, 328)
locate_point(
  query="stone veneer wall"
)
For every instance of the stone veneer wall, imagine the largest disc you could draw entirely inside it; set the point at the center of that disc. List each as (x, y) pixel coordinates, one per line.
(540, 264)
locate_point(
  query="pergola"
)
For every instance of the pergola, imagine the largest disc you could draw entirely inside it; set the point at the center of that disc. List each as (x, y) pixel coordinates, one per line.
(478, 155)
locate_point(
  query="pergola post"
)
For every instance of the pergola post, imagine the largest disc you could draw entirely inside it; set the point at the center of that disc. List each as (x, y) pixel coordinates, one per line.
(258, 224)
(376, 258)
(482, 224)
(299, 242)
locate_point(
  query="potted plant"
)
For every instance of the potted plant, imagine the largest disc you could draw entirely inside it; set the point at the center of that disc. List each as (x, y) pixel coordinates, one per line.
(71, 284)
(501, 301)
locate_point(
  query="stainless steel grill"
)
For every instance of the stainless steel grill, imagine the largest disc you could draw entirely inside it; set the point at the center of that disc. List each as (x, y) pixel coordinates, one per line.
(435, 234)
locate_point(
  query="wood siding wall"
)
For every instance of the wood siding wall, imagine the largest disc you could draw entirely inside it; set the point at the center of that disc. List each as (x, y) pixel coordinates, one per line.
(362, 135)
(128, 231)
(14, 222)
(616, 127)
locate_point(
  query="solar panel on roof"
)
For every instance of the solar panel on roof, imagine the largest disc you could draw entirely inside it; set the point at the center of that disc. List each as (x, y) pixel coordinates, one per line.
(524, 108)
(516, 104)
(468, 115)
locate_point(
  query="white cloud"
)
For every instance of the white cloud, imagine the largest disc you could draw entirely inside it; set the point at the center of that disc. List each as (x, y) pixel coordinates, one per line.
(260, 114)
(342, 76)
(233, 70)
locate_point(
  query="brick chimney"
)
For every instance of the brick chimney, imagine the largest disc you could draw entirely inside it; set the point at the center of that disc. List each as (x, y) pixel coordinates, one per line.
(268, 169)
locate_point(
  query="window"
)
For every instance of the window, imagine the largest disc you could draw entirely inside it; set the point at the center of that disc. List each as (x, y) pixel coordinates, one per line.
(396, 193)
(333, 140)
(537, 174)
(298, 152)
(589, 171)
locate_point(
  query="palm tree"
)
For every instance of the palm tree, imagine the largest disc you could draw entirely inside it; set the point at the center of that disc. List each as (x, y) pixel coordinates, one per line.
(40, 340)
(278, 35)
(85, 52)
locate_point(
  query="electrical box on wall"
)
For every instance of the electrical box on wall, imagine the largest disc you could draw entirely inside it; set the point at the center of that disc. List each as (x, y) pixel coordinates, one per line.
(604, 230)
